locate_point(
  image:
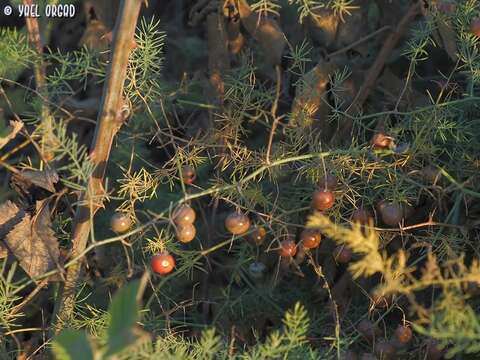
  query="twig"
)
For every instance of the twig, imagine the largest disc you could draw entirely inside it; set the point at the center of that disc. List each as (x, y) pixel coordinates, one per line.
(276, 118)
(39, 70)
(110, 119)
(382, 57)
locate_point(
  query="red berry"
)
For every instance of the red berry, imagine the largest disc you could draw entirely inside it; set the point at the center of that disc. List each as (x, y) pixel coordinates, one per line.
(343, 254)
(475, 27)
(237, 223)
(186, 233)
(288, 248)
(391, 213)
(310, 238)
(184, 215)
(361, 216)
(163, 263)
(188, 175)
(381, 141)
(403, 334)
(328, 182)
(120, 222)
(323, 199)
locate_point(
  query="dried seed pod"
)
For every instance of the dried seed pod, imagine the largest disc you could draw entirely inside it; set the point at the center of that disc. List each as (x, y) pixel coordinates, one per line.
(310, 238)
(237, 223)
(323, 199)
(188, 175)
(184, 215)
(342, 254)
(186, 233)
(288, 248)
(120, 222)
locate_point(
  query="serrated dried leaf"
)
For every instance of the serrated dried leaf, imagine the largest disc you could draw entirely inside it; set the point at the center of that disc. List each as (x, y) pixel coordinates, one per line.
(15, 127)
(10, 215)
(46, 179)
(33, 242)
(265, 30)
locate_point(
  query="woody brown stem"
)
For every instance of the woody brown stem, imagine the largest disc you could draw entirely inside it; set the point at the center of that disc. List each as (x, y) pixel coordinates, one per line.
(39, 70)
(110, 119)
(379, 63)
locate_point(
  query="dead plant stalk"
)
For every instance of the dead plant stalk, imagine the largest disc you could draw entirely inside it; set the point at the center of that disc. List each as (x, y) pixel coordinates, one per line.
(110, 119)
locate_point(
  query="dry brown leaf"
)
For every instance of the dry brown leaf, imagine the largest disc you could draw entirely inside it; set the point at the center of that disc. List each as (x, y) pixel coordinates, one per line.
(265, 30)
(10, 215)
(323, 25)
(33, 242)
(309, 95)
(15, 127)
(449, 38)
(46, 179)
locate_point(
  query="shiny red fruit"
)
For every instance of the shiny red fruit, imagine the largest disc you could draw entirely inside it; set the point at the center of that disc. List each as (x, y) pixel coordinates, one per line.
(288, 248)
(381, 141)
(163, 263)
(310, 238)
(186, 233)
(323, 199)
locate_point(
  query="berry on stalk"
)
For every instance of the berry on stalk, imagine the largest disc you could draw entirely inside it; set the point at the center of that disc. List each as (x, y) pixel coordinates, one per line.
(288, 248)
(120, 222)
(163, 263)
(186, 233)
(310, 238)
(184, 215)
(237, 223)
(188, 175)
(323, 199)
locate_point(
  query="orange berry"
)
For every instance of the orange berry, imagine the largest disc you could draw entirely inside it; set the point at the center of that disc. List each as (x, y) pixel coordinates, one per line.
(288, 248)
(184, 215)
(120, 222)
(381, 141)
(310, 238)
(323, 199)
(237, 223)
(186, 233)
(163, 263)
